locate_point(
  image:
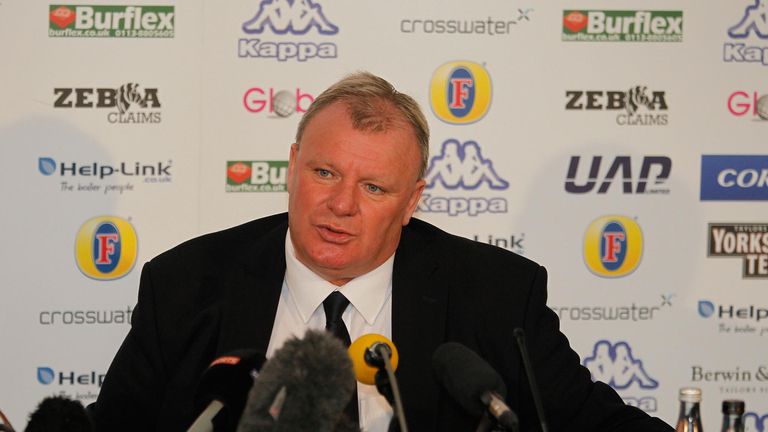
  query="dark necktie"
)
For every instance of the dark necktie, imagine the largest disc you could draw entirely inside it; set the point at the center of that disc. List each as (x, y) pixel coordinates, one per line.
(334, 306)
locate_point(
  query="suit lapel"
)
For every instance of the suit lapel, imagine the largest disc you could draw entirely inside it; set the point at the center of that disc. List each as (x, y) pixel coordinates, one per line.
(419, 304)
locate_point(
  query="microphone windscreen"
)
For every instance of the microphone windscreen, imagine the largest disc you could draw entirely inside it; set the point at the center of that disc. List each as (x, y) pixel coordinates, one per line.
(59, 414)
(466, 376)
(364, 372)
(303, 387)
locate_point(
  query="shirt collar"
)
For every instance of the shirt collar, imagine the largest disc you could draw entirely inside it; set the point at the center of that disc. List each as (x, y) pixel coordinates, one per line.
(367, 293)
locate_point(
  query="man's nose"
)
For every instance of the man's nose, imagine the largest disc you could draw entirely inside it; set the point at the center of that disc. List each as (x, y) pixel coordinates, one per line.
(344, 199)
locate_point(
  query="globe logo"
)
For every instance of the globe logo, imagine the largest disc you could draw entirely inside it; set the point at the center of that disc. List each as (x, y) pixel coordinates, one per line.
(284, 103)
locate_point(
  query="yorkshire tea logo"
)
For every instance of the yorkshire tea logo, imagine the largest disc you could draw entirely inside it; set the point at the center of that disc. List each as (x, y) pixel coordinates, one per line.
(256, 176)
(460, 92)
(622, 26)
(111, 21)
(106, 248)
(748, 241)
(613, 246)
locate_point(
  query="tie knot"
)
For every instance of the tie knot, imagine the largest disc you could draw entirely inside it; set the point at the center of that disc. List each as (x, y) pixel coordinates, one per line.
(334, 306)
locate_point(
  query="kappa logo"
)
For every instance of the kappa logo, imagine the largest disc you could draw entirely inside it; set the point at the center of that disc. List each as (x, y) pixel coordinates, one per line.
(754, 22)
(106, 248)
(462, 166)
(615, 365)
(460, 92)
(282, 17)
(613, 246)
(755, 422)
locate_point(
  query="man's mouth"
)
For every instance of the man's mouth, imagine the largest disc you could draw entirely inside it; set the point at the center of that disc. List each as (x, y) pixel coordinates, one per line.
(333, 234)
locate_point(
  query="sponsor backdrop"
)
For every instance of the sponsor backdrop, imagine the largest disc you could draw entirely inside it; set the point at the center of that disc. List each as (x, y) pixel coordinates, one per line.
(621, 144)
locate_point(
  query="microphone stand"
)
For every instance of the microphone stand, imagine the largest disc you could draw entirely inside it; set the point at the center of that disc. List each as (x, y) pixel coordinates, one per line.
(386, 383)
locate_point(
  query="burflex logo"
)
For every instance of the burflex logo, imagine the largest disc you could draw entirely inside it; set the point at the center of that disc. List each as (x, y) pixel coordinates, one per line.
(616, 365)
(751, 28)
(48, 376)
(613, 246)
(105, 178)
(257, 176)
(622, 26)
(653, 169)
(111, 21)
(281, 103)
(637, 106)
(106, 248)
(129, 103)
(460, 92)
(288, 17)
(734, 178)
(462, 167)
(748, 241)
(492, 26)
(736, 319)
(748, 104)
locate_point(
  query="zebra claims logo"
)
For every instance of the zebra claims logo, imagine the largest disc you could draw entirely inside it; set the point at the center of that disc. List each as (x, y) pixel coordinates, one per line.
(288, 17)
(613, 246)
(132, 103)
(616, 365)
(111, 21)
(460, 92)
(106, 248)
(622, 26)
(636, 107)
(752, 25)
(461, 166)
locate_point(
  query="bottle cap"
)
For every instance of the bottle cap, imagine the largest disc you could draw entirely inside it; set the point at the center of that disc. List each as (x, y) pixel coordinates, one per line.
(733, 406)
(690, 394)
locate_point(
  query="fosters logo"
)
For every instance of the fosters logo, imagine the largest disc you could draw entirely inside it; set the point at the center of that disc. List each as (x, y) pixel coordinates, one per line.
(613, 246)
(460, 92)
(106, 248)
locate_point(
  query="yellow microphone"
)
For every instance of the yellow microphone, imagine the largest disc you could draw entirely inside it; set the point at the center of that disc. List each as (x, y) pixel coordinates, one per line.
(367, 353)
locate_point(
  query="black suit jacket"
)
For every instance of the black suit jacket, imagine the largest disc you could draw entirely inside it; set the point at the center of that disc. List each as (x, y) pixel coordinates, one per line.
(219, 292)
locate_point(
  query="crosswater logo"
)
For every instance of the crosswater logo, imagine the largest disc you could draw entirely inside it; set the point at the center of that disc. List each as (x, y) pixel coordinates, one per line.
(460, 92)
(491, 26)
(748, 104)
(613, 246)
(111, 21)
(734, 178)
(748, 241)
(106, 248)
(616, 365)
(637, 106)
(513, 242)
(105, 178)
(748, 35)
(653, 169)
(85, 317)
(736, 319)
(257, 176)
(622, 26)
(462, 167)
(626, 312)
(288, 17)
(282, 103)
(129, 103)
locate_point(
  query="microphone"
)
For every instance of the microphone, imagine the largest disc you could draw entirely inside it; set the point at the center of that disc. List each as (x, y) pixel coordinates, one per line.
(520, 337)
(58, 414)
(223, 388)
(473, 383)
(303, 387)
(375, 359)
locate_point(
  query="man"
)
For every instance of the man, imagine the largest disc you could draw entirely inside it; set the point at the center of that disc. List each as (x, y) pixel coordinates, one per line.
(354, 179)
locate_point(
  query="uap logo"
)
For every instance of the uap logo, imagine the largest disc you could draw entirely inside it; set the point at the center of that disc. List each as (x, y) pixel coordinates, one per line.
(613, 246)
(616, 365)
(106, 248)
(460, 92)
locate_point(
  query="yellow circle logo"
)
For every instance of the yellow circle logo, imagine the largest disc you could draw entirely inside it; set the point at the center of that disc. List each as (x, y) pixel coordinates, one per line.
(106, 248)
(613, 246)
(460, 92)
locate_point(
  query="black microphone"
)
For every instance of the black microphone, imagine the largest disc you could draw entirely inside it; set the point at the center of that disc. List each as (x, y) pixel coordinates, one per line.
(473, 383)
(59, 414)
(520, 337)
(222, 390)
(303, 387)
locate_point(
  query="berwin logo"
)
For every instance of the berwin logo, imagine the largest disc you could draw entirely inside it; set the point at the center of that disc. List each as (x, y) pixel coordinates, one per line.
(734, 177)
(613, 246)
(106, 248)
(460, 92)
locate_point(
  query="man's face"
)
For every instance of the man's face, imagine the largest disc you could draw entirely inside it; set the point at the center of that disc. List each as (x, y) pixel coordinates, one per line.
(350, 193)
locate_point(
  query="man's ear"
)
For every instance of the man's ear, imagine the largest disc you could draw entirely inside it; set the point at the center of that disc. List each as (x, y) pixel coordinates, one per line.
(291, 165)
(413, 201)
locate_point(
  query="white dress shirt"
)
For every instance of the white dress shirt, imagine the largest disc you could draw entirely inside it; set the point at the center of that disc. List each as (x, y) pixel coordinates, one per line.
(370, 311)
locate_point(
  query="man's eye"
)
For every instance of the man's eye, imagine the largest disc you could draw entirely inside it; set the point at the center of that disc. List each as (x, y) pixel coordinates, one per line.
(373, 188)
(323, 172)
